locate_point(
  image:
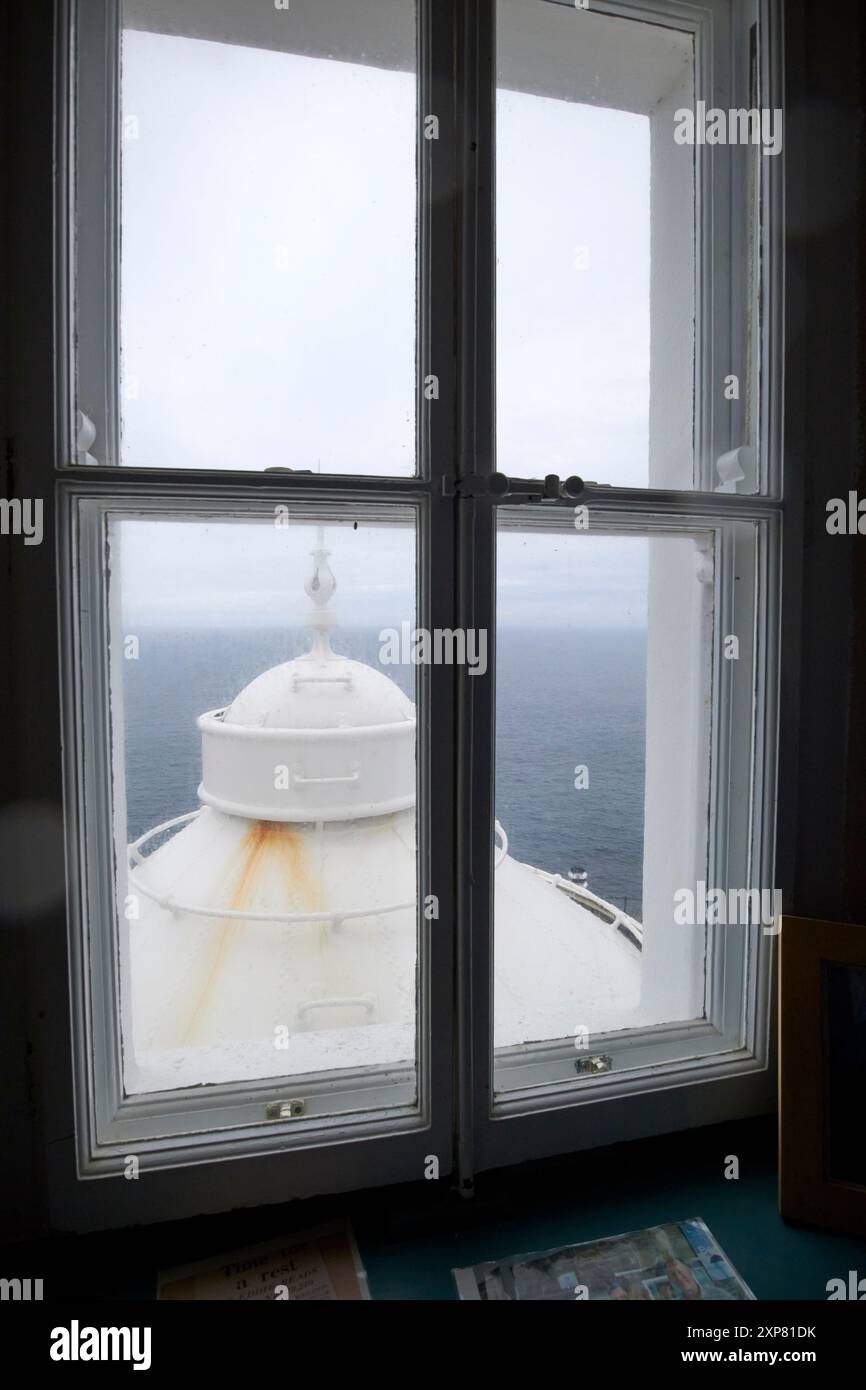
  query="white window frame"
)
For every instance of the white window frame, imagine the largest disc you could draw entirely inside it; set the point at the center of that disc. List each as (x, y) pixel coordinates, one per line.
(712, 1081)
(733, 1039)
(664, 1078)
(390, 1120)
(187, 1124)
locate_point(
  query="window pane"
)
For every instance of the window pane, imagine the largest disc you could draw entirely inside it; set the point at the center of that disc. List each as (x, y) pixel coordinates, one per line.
(271, 931)
(604, 646)
(268, 236)
(595, 236)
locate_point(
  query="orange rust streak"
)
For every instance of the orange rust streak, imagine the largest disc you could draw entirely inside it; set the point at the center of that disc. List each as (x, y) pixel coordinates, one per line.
(299, 874)
(264, 841)
(255, 848)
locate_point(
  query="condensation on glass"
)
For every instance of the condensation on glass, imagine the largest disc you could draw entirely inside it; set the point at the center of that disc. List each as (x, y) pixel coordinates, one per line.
(264, 767)
(268, 220)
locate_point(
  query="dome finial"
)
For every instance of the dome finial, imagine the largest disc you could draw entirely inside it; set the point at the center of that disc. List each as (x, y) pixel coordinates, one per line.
(321, 584)
(320, 588)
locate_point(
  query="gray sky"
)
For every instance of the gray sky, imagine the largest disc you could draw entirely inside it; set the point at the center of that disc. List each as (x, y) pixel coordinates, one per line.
(230, 574)
(268, 318)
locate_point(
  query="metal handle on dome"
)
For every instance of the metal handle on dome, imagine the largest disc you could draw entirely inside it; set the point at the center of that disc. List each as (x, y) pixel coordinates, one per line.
(299, 781)
(321, 680)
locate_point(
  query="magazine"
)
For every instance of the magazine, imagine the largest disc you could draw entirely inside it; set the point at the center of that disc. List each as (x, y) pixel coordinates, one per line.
(309, 1266)
(679, 1261)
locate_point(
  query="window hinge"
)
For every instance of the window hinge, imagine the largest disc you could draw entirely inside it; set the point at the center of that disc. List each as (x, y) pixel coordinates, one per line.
(547, 489)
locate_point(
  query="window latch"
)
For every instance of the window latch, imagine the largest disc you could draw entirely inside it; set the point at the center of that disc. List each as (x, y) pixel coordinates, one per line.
(593, 1066)
(285, 1109)
(548, 489)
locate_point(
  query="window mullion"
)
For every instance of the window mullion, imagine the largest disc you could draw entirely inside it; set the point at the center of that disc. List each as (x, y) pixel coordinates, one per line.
(476, 92)
(437, 310)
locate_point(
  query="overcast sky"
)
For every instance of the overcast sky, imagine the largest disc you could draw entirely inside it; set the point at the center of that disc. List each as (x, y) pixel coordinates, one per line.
(231, 574)
(268, 318)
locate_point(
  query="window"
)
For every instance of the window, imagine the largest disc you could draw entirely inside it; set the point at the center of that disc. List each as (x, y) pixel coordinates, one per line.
(264, 221)
(420, 513)
(627, 670)
(268, 220)
(581, 316)
(331, 852)
(587, 667)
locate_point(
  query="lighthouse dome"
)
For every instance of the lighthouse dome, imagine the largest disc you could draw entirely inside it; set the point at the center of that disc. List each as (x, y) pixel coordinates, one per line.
(320, 690)
(318, 739)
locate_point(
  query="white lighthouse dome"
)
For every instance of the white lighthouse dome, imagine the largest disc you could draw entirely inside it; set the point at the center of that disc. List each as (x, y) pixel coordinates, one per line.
(320, 738)
(320, 691)
(316, 739)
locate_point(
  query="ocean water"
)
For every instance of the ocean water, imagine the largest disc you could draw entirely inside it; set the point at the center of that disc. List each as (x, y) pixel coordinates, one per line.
(563, 700)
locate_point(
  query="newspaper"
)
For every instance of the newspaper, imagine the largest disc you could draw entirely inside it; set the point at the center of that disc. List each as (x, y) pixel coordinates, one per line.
(320, 1265)
(679, 1261)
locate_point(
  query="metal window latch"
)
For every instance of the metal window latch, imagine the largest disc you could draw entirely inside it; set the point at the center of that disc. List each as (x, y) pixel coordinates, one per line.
(285, 1109)
(548, 489)
(593, 1066)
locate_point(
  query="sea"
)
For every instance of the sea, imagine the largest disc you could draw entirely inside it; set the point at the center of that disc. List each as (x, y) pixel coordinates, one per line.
(563, 701)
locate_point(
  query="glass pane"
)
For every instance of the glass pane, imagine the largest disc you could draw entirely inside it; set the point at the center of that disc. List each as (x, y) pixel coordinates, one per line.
(603, 666)
(268, 235)
(595, 240)
(264, 784)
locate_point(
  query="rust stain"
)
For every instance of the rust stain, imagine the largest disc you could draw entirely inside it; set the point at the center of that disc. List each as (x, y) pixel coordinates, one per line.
(266, 843)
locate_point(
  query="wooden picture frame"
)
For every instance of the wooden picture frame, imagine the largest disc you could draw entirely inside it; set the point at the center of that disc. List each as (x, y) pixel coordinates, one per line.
(822, 1074)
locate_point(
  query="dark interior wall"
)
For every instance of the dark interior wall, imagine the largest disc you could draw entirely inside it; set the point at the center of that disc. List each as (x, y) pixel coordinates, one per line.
(824, 141)
(855, 850)
(824, 742)
(31, 785)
